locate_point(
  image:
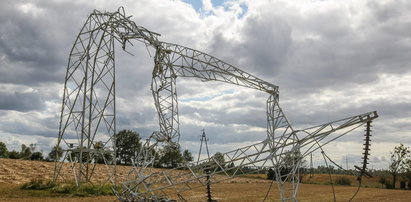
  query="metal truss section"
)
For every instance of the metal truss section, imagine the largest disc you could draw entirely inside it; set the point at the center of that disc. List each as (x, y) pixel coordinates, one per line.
(163, 87)
(188, 62)
(88, 122)
(88, 112)
(179, 61)
(147, 186)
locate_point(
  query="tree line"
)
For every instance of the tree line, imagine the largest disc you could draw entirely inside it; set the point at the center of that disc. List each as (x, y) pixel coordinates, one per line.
(27, 152)
(128, 143)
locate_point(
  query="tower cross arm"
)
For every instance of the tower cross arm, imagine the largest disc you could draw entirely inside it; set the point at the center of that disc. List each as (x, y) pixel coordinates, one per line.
(310, 137)
(189, 62)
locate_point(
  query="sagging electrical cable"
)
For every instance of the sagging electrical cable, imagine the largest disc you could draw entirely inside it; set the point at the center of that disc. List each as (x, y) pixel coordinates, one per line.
(329, 172)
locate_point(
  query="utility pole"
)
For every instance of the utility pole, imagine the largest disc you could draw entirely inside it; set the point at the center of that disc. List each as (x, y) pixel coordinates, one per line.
(311, 165)
(203, 139)
(207, 171)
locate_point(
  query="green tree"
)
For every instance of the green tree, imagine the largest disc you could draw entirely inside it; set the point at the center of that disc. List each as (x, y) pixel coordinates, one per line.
(187, 156)
(289, 161)
(30, 153)
(85, 155)
(398, 162)
(105, 155)
(271, 174)
(383, 181)
(37, 156)
(55, 154)
(25, 152)
(152, 155)
(14, 154)
(219, 158)
(407, 171)
(3, 150)
(170, 157)
(127, 145)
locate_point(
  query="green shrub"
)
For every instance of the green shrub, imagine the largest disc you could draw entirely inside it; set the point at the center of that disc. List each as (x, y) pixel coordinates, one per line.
(343, 181)
(96, 190)
(389, 185)
(68, 188)
(38, 184)
(63, 188)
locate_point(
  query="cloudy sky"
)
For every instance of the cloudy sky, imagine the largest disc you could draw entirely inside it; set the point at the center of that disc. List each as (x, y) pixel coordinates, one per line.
(332, 59)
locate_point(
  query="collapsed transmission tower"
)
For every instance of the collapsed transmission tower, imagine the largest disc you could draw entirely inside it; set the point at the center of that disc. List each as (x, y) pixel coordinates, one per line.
(88, 115)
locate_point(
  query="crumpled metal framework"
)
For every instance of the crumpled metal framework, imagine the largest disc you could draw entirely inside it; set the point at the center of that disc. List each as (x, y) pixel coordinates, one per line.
(88, 114)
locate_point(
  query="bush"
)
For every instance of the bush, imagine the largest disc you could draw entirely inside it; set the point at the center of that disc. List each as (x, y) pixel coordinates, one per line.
(68, 188)
(270, 174)
(3, 150)
(63, 188)
(38, 184)
(382, 180)
(37, 156)
(283, 173)
(343, 181)
(389, 185)
(14, 155)
(92, 190)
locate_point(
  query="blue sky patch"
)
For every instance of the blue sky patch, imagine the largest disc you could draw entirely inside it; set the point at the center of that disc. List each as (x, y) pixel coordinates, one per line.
(198, 6)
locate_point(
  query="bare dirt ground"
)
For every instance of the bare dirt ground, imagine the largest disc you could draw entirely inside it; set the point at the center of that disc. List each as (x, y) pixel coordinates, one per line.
(13, 173)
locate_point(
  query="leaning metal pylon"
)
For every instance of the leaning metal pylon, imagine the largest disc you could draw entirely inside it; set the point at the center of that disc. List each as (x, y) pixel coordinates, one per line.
(88, 115)
(88, 122)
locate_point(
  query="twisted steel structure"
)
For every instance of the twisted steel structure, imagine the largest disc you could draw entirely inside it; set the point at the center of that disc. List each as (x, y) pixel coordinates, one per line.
(88, 112)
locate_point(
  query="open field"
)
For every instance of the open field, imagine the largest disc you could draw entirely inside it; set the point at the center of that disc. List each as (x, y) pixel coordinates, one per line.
(21, 171)
(324, 179)
(247, 192)
(15, 172)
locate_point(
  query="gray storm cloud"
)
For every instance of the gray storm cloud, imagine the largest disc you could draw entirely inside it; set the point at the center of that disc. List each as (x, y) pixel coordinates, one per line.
(330, 59)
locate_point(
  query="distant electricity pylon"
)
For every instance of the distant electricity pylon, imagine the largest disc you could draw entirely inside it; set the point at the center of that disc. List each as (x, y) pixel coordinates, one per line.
(88, 116)
(205, 140)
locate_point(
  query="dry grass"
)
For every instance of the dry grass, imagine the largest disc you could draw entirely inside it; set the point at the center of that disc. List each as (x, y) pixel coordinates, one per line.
(308, 192)
(13, 173)
(247, 192)
(324, 179)
(12, 192)
(22, 171)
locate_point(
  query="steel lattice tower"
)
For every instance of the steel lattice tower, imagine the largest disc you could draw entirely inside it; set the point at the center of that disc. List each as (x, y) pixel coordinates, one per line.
(88, 120)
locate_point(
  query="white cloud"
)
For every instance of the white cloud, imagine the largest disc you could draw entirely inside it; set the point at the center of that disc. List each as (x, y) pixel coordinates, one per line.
(30, 8)
(207, 5)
